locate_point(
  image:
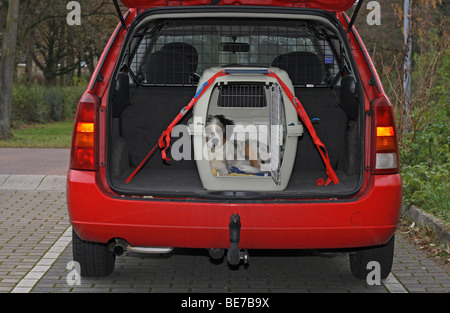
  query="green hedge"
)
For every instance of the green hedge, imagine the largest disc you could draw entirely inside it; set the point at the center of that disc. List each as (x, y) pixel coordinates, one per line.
(41, 104)
(425, 159)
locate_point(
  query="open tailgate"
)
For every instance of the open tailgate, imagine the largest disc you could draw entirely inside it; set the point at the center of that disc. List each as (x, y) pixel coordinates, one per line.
(328, 5)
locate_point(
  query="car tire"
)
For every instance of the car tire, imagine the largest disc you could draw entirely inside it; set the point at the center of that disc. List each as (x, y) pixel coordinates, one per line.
(94, 258)
(383, 254)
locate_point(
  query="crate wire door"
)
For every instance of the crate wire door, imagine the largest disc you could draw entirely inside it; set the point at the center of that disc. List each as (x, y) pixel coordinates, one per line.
(242, 95)
(275, 133)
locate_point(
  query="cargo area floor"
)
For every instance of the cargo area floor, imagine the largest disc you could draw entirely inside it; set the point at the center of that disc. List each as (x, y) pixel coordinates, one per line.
(186, 183)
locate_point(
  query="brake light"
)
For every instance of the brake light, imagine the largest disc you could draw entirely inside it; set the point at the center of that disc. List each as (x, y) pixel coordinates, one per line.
(386, 145)
(385, 131)
(82, 156)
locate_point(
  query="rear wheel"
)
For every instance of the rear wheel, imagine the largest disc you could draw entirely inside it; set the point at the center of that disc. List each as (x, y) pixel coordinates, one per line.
(384, 255)
(94, 258)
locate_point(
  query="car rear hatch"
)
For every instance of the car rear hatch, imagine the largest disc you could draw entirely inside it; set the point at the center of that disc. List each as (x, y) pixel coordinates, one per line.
(328, 5)
(150, 105)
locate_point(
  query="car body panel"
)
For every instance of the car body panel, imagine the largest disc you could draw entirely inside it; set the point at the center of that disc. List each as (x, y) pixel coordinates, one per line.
(368, 220)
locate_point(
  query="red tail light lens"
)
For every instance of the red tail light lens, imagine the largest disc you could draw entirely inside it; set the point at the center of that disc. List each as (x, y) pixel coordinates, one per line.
(386, 146)
(82, 156)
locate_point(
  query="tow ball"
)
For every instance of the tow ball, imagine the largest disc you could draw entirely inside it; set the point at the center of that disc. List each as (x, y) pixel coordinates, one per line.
(235, 255)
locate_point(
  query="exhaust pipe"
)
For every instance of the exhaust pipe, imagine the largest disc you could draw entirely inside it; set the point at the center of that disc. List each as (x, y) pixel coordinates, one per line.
(150, 250)
(119, 246)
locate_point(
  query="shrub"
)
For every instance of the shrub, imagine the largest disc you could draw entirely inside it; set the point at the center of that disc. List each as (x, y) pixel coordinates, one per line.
(54, 102)
(70, 97)
(42, 104)
(425, 159)
(27, 104)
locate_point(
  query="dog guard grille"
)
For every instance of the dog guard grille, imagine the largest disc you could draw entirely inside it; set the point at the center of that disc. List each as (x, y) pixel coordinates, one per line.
(176, 52)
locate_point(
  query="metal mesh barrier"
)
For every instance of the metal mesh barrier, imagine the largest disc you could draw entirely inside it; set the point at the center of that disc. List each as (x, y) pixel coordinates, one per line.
(176, 52)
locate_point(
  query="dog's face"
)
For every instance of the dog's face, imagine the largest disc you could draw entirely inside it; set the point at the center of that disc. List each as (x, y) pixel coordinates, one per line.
(215, 129)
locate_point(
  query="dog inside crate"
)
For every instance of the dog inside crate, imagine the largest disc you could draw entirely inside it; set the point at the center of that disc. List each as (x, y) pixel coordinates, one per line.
(230, 152)
(242, 143)
(241, 130)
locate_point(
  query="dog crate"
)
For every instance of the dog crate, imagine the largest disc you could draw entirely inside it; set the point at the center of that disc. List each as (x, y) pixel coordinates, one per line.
(264, 121)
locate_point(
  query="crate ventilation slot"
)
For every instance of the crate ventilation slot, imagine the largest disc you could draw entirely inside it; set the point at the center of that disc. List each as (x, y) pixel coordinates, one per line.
(242, 96)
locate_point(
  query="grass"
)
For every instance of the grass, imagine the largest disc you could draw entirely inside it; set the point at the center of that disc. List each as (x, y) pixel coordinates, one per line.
(51, 135)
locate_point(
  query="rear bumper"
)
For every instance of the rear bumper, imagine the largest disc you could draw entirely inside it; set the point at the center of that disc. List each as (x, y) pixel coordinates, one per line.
(367, 221)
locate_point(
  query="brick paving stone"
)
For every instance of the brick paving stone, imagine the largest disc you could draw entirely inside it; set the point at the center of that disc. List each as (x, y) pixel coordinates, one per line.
(185, 271)
(27, 218)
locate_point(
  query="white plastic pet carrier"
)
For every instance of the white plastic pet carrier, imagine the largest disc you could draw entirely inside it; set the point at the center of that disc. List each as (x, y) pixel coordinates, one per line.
(264, 121)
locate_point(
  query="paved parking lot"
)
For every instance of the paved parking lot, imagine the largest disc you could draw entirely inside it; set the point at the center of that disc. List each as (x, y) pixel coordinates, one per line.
(35, 251)
(36, 255)
(34, 161)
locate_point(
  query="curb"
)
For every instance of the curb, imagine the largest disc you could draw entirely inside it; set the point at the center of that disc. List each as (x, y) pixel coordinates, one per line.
(33, 182)
(428, 221)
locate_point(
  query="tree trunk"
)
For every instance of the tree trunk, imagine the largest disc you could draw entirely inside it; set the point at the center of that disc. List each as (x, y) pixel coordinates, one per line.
(29, 46)
(8, 64)
(407, 65)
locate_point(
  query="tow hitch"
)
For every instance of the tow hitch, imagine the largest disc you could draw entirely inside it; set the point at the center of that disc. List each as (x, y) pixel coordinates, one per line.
(235, 255)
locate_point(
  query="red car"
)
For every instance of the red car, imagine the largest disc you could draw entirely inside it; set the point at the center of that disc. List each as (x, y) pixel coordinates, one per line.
(231, 126)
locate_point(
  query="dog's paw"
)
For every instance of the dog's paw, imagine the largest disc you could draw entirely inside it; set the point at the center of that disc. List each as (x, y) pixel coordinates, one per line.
(220, 171)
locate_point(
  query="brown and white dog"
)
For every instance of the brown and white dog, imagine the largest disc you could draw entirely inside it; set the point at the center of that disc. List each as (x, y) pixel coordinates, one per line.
(224, 152)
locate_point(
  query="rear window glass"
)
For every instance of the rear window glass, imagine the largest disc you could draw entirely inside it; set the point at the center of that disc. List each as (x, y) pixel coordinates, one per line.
(176, 52)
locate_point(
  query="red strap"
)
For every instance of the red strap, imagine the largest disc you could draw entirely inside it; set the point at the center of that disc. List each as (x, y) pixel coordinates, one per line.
(307, 122)
(140, 165)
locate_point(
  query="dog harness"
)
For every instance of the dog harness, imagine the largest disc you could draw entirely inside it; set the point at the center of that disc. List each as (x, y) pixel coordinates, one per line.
(164, 140)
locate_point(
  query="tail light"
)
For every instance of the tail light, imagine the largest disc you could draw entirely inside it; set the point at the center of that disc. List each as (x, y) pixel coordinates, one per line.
(82, 155)
(386, 144)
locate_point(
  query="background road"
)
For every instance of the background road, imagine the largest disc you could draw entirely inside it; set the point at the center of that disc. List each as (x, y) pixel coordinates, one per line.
(35, 250)
(34, 161)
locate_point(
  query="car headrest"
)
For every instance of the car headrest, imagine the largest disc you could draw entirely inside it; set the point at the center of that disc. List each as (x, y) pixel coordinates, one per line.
(302, 67)
(174, 63)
